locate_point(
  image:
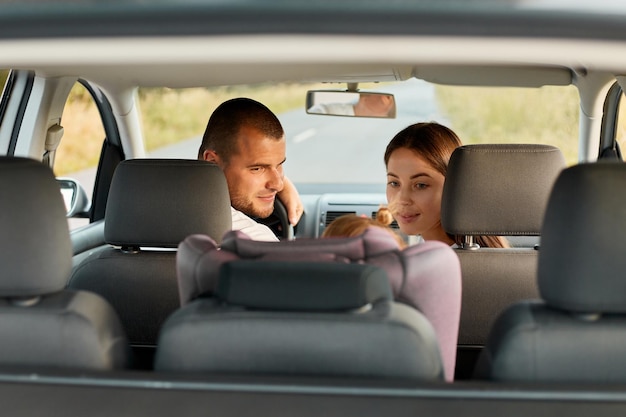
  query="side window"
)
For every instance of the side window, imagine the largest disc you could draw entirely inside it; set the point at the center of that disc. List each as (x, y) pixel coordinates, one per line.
(4, 75)
(5, 128)
(79, 150)
(548, 114)
(620, 131)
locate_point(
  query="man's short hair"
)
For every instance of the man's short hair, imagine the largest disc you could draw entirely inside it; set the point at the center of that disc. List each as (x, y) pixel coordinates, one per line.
(227, 120)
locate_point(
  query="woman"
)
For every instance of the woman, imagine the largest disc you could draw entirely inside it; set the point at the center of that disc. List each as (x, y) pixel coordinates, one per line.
(417, 161)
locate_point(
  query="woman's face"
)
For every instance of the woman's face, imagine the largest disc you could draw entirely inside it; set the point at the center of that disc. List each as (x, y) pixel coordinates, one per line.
(414, 190)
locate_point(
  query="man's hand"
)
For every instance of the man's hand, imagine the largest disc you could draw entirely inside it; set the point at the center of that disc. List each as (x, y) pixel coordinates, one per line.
(291, 199)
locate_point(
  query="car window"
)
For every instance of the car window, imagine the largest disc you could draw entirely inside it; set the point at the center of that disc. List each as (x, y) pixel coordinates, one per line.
(174, 119)
(546, 115)
(4, 75)
(351, 149)
(620, 132)
(79, 151)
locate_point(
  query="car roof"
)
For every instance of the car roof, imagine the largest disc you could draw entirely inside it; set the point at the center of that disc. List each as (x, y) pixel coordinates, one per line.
(196, 43)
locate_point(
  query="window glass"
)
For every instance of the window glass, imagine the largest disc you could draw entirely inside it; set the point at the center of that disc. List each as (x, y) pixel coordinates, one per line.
(174, 119)
(4, 74)
(546, 115)
(79, 151)
(620, 132)
(351, 149)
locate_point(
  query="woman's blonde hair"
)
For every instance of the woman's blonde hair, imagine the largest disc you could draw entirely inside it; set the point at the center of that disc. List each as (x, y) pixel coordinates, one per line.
(351, 225)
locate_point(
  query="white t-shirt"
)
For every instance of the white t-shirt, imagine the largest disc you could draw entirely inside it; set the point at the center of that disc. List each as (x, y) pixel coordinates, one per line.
(256, 231)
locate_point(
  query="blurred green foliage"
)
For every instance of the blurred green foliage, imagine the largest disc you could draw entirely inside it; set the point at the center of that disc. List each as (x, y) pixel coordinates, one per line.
(546, 115)
(4, 74)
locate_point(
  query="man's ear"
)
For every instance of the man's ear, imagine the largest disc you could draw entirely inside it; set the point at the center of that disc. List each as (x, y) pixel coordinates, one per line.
(210, 156)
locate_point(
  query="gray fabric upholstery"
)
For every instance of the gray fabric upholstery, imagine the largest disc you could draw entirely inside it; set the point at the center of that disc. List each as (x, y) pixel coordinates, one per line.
(141, 287)
(390, 340)
(533, 342)
(42, 325)
(35, 248)
(578, 331)
(425, 276)
(270, 334)
(498, 189)
(582, 262)
(493, 279)
(283, 286)
(156, 203)
(67, 329)
(159, 202)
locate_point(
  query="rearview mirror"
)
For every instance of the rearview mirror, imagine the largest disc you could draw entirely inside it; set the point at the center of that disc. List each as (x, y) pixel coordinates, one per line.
(74, 196)
(351, 103)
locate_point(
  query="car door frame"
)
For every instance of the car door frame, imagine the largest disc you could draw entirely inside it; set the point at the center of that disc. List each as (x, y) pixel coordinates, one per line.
(609, 147)
(15, 108)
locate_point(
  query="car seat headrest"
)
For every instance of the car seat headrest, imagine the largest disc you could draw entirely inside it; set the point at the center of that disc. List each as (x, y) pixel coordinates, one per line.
(158, 202)
(301, 286)
(581, 262)
(198, 258)
(498, 189)
(35, 249)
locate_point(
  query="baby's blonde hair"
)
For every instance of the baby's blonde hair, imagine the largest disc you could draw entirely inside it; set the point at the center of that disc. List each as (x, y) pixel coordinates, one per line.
(351, 225)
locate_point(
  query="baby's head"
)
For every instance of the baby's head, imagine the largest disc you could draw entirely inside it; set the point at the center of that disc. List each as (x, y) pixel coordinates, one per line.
(351, 225)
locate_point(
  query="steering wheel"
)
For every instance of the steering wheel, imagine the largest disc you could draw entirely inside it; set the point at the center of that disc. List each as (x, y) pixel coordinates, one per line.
(278, 222)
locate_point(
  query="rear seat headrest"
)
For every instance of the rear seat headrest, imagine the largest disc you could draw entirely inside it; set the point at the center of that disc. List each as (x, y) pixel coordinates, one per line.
(159, 202)
(198, 259)
(498, 189)
(581, 262)
(35, 249)
(302, 286)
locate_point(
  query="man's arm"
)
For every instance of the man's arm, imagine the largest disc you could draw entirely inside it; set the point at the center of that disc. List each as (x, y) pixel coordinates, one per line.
(291, 199)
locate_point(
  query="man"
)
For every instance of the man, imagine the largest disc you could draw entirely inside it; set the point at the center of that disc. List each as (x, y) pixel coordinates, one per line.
(246, 140)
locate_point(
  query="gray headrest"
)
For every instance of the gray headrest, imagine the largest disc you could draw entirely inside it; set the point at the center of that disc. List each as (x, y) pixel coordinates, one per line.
(302, 286)
(581, 263)
(35, 248)
(159, 202)
(498, 189)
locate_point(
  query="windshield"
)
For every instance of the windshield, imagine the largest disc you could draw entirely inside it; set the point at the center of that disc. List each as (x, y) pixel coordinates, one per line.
(324, 149)
(348, 151)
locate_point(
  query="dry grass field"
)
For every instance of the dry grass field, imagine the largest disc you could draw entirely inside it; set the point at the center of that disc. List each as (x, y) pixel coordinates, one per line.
(514, 115)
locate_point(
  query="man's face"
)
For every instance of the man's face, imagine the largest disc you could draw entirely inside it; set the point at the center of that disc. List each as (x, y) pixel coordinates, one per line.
(377, 105)
(254, 172)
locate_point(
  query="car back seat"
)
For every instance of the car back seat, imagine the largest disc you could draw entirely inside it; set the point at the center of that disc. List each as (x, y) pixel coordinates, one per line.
(498, 190)
(41, 324)
(295, 310)
(153, 205)
(577, 331)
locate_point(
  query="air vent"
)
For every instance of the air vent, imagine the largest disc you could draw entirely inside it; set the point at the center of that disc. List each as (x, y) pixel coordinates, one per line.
(393, 225)
(332, 215)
